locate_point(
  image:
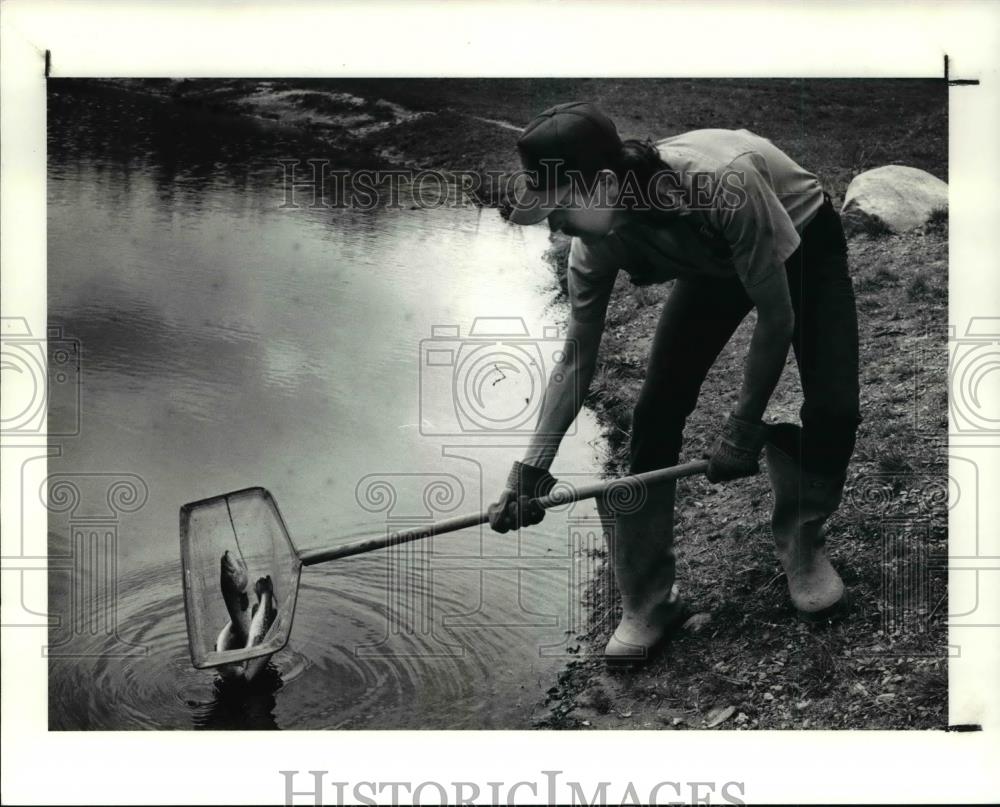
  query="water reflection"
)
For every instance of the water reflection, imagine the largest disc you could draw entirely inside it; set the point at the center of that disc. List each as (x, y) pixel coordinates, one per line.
(183, 149)
(240, 704)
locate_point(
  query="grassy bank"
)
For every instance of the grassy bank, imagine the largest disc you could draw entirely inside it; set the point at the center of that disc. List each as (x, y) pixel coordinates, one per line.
(749, 664)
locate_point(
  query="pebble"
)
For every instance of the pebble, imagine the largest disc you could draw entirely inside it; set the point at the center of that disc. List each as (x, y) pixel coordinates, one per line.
(697, 623)
(768, 696)
(719, 715)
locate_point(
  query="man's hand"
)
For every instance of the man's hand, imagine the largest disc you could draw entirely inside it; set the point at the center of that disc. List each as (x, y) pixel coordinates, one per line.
(516, 506)
(736, 450)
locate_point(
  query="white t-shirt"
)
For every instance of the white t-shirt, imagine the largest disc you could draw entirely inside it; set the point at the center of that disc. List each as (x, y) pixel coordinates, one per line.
(750, 204)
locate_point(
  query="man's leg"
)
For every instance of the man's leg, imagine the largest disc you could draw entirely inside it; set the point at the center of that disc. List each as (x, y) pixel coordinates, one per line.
(697, 321)
(807, 465)
(826, 348)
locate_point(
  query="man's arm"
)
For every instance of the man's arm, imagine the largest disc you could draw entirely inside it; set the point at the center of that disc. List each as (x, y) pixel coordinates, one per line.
(567, 387)
(768, 346)
(564, 394)
(761, 236)
(738, 445)
(591, 271)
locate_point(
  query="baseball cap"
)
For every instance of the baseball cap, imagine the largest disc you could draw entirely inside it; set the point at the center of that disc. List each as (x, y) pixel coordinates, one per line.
(568, 140)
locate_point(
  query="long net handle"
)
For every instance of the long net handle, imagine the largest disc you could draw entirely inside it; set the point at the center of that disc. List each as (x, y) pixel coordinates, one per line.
(627, 487)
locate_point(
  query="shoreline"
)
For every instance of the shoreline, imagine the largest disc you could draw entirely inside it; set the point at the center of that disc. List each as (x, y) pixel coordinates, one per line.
(748, 664)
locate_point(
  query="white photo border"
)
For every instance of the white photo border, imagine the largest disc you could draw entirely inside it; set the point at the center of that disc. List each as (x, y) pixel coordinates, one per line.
(709, 39)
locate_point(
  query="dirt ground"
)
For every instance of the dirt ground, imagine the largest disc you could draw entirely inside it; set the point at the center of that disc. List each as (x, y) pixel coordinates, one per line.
(745, 662)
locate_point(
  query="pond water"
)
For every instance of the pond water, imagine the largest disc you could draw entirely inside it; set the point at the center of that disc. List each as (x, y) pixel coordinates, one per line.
(226, 342)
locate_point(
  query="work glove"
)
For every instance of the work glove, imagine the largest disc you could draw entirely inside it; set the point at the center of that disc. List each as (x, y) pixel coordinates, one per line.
(736, 450)
(516, 506)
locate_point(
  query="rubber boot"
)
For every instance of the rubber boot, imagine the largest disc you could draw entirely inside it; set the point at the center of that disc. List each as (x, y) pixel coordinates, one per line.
(802, 503)
(641, 547)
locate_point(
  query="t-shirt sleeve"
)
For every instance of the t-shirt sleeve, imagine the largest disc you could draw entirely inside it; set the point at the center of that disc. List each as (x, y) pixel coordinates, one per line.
(590, 277)
(751, 218)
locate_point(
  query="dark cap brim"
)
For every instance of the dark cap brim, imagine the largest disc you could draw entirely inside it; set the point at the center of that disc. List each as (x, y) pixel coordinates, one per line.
(533, 206)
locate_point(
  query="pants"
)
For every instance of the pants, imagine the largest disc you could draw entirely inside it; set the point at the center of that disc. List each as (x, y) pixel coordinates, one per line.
(700, 316)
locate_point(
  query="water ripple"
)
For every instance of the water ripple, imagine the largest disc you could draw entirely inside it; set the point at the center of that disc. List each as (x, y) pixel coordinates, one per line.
(352, 661)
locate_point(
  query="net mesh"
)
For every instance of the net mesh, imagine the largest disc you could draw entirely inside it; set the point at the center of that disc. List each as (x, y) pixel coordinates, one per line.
(248, 525)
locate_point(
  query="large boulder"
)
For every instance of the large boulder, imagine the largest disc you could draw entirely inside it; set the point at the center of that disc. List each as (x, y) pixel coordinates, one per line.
(893, 198)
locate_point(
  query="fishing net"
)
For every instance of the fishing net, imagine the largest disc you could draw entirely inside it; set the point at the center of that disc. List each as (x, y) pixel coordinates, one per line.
(248, 525)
